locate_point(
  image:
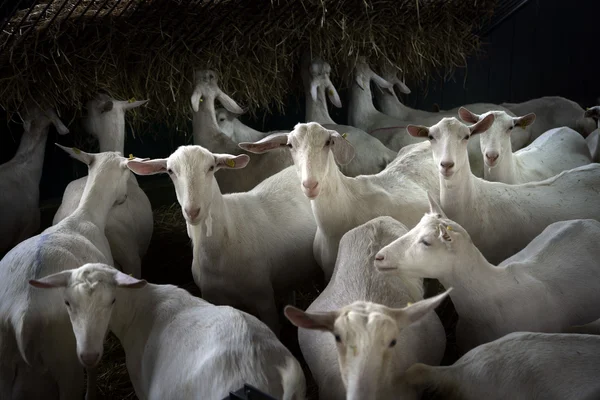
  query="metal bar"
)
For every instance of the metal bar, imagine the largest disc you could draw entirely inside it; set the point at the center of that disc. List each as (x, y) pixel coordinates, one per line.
(73, 9)
(84, 11)
(24, 35)
(487, 30)
(19, 26)
(127, 7)
(7, 20)
(99, 9)
(113, 8)
(57, 13)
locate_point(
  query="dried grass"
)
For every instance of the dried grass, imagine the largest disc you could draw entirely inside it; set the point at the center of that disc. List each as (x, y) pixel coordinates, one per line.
(67, 49)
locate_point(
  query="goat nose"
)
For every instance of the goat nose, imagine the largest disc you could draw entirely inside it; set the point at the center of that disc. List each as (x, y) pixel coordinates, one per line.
(379, 257)
(192, 212)
(447, 164)
(310, 184)
(492, 155)
(89, 359)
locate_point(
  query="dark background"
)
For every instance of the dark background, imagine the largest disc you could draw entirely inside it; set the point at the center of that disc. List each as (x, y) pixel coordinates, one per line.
(547, 47)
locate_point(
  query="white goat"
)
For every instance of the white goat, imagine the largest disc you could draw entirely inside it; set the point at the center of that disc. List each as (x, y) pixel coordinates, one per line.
(502, 219)
(391, 105)
(340, 203)
(593, 139)
(371, 156)
(375, 346)
(553, 112)
(20, 179)
(556, 150)
(235, 129)
(252, 244)
(558, 271)
(130, 224)
(208, 134)
(391, 131)
(518, 366)
(177, 346)
(36, 338)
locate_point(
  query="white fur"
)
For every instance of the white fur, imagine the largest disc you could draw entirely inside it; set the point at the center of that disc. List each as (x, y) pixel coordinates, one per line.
(519, 366)
(130, 225)
(553, 112)
(179, 346)
(556, 150)
(236, 129)
(357, 300)
(391, 130)
(247, 246)
(502, 219)
(20, 179)
(550, 285)
(37, 340)
(371, 155)
(208, 134)
(341, 203)
(593, 139)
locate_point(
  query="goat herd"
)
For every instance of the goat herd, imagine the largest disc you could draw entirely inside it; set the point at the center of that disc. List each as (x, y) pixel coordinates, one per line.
(397, 196)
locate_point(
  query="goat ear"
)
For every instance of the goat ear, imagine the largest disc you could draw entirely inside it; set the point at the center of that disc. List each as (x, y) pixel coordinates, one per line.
(468, 116)
(434, 206)
(525, 120)
(342, 149)
(383, 84)
(127, 281)
(77, 154)
(322, 321)
(107, 106)
(134, 104)
(414, 312)
(333, 95)
(228, 161)
(148, 167)
(229, 104)
(314, 87)
(483, 125)
(418, 130)
(271, 142)
(196, 98)
(402, 87)
(60, 279)
(58, 124)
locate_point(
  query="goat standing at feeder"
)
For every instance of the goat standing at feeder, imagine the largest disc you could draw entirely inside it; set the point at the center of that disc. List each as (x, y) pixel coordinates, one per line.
(130, 224)
(247, 246)
(37, 340)
(392, 131)
(340, 203)
(502, 219)
(368, 368)
(20, 179)
(556, 150)
(553, 112)
(557, 271)
(518, 366)
(208, 134)
(371, 156)
(177, 346)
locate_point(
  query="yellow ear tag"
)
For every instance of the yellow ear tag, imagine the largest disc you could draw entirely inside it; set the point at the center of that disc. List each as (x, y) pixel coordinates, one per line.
(76, 150)
(201, 100)
(354, 350)
(449, 228)
(331, 92)
(409, 304)
(131, 156)
(344, 135)
(131, 100)
(231, 163)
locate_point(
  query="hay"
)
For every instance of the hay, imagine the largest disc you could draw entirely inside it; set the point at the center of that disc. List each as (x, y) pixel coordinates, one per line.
(63, 51)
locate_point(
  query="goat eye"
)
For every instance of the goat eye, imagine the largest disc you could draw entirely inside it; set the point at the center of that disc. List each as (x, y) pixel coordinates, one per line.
(170, 171)
(67, 304)
(466, 137)
(289, 145)
(212, 168)
(393, 343)
(425, 242)
(327, 143)
(430, 137)
(511, 128)
(221, 119)
(113, 302)
(338, 339)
